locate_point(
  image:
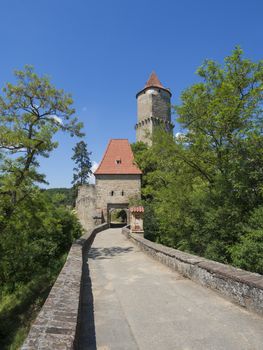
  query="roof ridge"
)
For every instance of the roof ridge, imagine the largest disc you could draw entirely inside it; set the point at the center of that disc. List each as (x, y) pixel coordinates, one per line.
(153, 80)
(104, 155)
(109, 163)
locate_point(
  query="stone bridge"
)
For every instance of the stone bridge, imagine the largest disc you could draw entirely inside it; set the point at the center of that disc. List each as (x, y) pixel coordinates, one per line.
(119, 291)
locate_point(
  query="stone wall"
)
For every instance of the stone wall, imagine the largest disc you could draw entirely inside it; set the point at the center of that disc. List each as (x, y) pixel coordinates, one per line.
(86, 206)
(154, 102)
(124, 187)
(144, 131)
(56, 326)
(243, 287)
(153, 107)
(161, 105)
(144, 105)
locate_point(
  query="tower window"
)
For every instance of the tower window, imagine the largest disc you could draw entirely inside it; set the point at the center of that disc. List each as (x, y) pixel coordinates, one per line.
(122, 193)
(112, 193)
(118, 161)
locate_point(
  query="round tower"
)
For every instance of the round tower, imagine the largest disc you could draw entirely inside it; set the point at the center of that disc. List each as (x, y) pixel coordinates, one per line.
(153, 109)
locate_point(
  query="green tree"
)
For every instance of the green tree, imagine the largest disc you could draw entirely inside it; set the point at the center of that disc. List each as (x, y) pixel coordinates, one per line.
(248, 252)
(202, 187)
(83, 163)
(222, 117)
(36, 230)
(33, 249)
(31, 113)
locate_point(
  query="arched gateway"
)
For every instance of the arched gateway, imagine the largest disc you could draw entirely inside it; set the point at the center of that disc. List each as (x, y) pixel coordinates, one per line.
(118, 179)
(118, 215)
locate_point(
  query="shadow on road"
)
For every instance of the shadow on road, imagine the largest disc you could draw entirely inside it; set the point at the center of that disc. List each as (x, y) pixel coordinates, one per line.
(107, 253)
(117, 224)
(87, 333)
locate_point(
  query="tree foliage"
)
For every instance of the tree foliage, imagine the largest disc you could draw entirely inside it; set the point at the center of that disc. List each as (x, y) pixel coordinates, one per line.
(31, 113)
(83, 165)
(33, 242)
(63, 196)
(204, 187)
(36, 231)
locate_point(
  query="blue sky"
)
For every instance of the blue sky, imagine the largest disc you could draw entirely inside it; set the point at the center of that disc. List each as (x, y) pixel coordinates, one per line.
(102, 52)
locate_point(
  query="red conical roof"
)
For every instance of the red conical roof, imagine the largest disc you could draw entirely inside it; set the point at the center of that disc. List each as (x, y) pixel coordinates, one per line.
(153, 81)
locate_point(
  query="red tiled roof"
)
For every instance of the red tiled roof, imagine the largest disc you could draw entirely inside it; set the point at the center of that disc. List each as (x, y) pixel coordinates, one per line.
(139, 209)
(153, 81)
(118, 159)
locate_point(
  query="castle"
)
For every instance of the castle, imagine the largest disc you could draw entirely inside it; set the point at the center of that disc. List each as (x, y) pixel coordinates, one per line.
(118, 178)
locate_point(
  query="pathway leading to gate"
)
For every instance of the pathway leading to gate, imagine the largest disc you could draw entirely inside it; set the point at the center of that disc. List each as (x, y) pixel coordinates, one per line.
(133, 302)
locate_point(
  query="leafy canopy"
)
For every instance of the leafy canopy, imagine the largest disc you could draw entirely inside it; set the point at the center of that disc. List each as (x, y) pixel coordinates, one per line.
(201, 189)
(31, 112)
(36, 229)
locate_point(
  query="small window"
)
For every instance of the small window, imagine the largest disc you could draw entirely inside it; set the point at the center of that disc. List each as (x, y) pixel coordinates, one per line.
(112, 193)
(122, 193)
(118, 161)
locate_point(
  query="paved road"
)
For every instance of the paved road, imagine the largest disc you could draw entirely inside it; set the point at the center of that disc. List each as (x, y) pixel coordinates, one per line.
(133, 302)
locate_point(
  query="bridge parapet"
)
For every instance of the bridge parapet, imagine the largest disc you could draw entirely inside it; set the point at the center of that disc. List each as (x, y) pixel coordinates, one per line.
(243, 287)
(56, 326)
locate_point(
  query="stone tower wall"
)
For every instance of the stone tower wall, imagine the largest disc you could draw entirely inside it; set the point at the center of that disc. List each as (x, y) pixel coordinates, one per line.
(86, 206)
(105, 184)
(153, 107)
(161, 105)
(144, 105)
(154, 102)
(144, 130)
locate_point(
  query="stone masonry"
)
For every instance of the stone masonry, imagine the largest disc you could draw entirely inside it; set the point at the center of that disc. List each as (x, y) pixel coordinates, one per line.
(242, 287)
(124, 188)
(118, 180)
(86, 206)
(153, 109)
(56, 326)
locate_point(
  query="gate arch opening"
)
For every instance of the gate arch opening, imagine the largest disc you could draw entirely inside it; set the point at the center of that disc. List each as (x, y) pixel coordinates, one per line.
(118, 217)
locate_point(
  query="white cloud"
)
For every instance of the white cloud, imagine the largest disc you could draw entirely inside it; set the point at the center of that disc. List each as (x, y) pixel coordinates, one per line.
(93, 168)
(56, 118)
(180, 136)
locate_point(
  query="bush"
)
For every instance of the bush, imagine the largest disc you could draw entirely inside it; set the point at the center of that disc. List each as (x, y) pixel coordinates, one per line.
(33, 249)
(248, 253)
(34, 240)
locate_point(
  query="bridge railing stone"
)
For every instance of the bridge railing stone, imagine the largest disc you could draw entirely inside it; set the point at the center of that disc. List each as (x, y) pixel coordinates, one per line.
(242, 287)
(56, 326)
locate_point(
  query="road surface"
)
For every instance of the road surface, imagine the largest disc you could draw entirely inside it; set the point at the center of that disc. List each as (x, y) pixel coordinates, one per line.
(131, 301)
